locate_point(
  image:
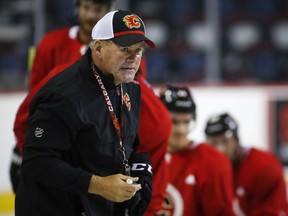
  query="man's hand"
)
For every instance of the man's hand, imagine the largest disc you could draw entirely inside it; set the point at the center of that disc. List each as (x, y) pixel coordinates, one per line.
(114, 187)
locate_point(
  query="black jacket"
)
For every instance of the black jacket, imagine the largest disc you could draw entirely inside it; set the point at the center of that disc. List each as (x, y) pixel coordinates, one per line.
(70, 137)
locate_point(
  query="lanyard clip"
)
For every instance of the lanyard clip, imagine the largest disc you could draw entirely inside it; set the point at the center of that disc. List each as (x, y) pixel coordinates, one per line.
(127, 168)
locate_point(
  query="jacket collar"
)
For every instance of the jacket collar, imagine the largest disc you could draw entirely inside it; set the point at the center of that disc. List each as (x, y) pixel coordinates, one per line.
(85, 67)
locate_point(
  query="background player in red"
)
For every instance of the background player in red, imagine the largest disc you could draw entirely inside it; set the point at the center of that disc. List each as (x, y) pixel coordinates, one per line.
(200, 177)
(155, 122)
(258, 176)
(67, 44)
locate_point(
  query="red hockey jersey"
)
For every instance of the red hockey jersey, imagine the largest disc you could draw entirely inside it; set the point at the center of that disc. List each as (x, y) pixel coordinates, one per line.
(200, 183)
(259, 185)
(57, 47)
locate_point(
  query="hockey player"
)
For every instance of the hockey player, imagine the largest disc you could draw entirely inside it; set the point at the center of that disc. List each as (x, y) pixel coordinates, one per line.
(200, 178)
(67, 44)
(258, 176)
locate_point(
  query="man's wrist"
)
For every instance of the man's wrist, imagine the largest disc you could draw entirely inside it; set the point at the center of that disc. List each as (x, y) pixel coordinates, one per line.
(95, 185)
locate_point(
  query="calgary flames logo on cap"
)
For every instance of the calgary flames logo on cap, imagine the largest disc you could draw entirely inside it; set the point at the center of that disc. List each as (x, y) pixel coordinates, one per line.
(126, 100)
(132, 21)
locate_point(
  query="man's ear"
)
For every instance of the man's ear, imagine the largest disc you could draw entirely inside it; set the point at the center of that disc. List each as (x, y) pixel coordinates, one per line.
(97, 49)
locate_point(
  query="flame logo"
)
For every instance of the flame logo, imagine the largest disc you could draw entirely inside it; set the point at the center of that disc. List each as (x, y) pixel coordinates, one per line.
(132, 21)
(126, 100)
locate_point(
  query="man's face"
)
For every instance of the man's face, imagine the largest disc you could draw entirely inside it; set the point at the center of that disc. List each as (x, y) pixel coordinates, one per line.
(181, 126)
(224, 143)
(90, 13)
(121, 62)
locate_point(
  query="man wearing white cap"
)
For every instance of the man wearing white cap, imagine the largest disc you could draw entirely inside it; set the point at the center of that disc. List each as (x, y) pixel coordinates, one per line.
(79, 157)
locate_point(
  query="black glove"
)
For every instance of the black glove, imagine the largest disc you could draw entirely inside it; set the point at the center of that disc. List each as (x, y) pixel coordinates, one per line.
(141, 167)
(137, 205)
(15, 171)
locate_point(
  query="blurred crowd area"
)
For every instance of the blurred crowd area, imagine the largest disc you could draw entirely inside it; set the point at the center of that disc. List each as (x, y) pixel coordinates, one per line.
(198, 41)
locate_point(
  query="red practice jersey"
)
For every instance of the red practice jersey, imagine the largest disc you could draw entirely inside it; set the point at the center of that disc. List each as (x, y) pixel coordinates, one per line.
(200, 183)
(154, 132)
(259, 185)
(56, 48)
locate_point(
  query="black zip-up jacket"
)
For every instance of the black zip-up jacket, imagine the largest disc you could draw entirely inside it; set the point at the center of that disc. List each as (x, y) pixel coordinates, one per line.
(70, 137)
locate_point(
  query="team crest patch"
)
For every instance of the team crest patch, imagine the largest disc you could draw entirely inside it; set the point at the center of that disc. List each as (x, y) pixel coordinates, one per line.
(38, 132)
(126, 101)
(132, 21)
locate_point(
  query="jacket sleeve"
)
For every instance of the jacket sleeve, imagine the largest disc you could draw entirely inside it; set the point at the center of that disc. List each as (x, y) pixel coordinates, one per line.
(52, 127)
(20, 123)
